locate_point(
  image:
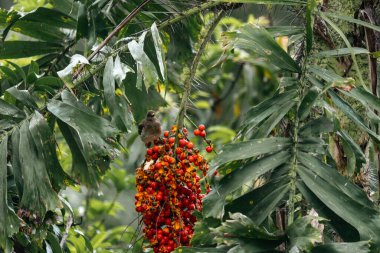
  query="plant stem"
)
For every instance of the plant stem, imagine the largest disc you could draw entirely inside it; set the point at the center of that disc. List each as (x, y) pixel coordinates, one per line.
(293, 169)
(193, 69)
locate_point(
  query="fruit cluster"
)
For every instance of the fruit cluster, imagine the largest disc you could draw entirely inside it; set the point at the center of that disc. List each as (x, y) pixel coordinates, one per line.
(169, 190)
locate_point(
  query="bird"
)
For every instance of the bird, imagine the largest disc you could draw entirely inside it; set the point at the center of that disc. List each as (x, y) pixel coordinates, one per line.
(149, 129)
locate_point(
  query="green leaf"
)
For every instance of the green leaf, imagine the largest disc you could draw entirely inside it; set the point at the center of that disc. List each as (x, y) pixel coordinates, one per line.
(344, 229)
(366, 98)
(45, 144)
(82, 21)
(203, 236)
(145, 67)
(311, 4)
(302, 234)
(9, 221)
(20, 73)
(118, 105)
(42, 31)
(159, 49)
(307, 102)
(356, 150)
(341, 52)
(9, 73)
(37, 197)
(213, 202)
(33, 72)
(53, 242)
(345, 199)
(152, 99)
(88, 132)
(242, 226)
(260, 203)
(314, 145)
(329, 76)
(271, 122)
(346, 41)
(55, 17)
(332, 175)
(262, 111)
(49, 81)
(317, 126)
(22, 49)
(16, 164)
(347, 109)
(246, 149)
(343, 247)
(261, 42)
(10, 110)
(23, 96)
(353, 20)
(120, 70)
(278, 31)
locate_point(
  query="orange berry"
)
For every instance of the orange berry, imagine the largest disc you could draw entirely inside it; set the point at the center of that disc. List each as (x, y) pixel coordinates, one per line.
(197, 132)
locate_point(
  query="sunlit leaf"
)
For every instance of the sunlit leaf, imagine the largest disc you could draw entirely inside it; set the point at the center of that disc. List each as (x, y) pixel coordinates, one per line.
(145, 67)
(159, 49)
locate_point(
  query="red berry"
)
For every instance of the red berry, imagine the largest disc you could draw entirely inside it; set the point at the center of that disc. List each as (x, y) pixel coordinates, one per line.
(201, 127)
(178, 151)
(209, 149)
(149, 151)
(156, 149)
(171, 140)
(197, 132)
(158, 166)
(182, 143)
(166, 134)
(202, 134)
(190, 145)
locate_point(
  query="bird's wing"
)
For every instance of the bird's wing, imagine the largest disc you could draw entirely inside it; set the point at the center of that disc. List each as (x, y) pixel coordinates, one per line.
(140, 127)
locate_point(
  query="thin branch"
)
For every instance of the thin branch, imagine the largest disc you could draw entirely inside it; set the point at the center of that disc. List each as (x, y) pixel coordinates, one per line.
(193, 69)
(113, 33)
(67, 229)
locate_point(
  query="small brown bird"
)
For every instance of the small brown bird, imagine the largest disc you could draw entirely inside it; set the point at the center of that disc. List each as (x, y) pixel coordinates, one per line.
(149, 129)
